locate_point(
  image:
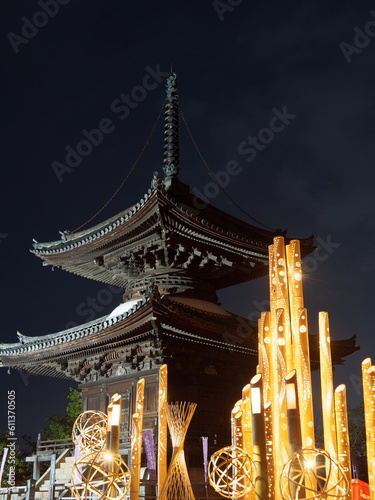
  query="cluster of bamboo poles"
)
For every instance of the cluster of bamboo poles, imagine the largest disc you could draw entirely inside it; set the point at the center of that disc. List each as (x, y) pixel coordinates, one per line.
(275, 418)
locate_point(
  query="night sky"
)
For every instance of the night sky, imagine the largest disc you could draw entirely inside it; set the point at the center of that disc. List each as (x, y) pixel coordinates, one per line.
(239, 65)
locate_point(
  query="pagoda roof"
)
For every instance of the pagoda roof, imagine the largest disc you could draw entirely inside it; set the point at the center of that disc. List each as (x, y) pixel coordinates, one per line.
(152, 322)
(165, 233)
(212, 326)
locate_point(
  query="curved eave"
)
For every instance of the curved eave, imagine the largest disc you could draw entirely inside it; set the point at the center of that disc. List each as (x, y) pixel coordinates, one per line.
(340, 349)
(177, 214)
(77, 339)
(43, 355)
(98, 236)
(234, 228)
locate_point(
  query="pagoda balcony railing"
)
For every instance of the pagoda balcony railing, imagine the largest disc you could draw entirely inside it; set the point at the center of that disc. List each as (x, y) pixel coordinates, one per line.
(51, 446)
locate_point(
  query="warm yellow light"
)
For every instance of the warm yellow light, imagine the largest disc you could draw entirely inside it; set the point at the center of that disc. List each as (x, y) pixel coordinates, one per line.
(115, 416)
(291, 400)
(309, 464)
(116, 398)
(108, 456)
(256, 402)
(109, 416)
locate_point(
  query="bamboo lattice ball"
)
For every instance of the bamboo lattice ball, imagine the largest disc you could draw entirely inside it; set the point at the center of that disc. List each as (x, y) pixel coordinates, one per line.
(103, 475)
(89, 431)
(311, 473)
(231, 472)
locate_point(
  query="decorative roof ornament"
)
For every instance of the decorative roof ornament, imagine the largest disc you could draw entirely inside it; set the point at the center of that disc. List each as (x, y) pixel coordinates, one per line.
(171, 136)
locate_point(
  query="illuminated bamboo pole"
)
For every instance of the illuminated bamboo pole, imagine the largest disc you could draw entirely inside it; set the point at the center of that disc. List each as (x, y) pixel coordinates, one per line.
(247, 432)
(300, 343)
(259, 368)
(278, 408)
(293, 413)
(280, 351)
(162, 426)
(114, 411)
(294, 263)
(282, 367)
(259, 438)
(295, 290)
(279, 298)
(115, 420)
(236, 430)
(368, 380)
(237, 435)
(264, 354)
(294, 423)
(269, 449)
(109, 423)
(304, 382)
(136, 442)
(326, 380)
(342, 429)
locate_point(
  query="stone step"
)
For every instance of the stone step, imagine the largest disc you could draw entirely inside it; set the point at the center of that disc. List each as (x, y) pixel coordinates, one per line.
(63, 476)
(41, 495)
(67, 465)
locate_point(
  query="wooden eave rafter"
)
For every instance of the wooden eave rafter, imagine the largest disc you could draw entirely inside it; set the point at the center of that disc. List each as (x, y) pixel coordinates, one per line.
(162, 219)
(44, 354)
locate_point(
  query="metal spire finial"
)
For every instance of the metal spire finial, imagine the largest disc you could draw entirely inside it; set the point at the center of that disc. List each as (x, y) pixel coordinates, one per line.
(171, 135)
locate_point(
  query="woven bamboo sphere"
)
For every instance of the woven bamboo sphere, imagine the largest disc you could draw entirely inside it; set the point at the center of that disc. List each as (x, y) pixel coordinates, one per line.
(231, 472)
(103, 476)
(89, 431)
(312, 473)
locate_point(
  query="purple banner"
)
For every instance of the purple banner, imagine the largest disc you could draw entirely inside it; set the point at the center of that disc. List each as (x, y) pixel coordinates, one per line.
(148, 446)
(205, 458)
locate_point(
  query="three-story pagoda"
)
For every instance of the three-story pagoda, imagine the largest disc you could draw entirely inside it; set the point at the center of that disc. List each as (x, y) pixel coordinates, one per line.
(170, 257)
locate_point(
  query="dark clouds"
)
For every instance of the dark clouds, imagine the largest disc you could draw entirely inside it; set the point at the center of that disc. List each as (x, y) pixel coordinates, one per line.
(316, 176)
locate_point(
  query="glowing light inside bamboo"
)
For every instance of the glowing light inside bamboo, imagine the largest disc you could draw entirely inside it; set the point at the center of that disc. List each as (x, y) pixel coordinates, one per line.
(265, 354)
(368, 379)
(343, 444)
(259, 438)
(136, 442)
(247, 432)
(162, 426)
(300, 343)
(326, 379)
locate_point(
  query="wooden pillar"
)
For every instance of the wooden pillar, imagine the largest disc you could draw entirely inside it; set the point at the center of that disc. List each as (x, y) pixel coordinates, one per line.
(52, 478)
